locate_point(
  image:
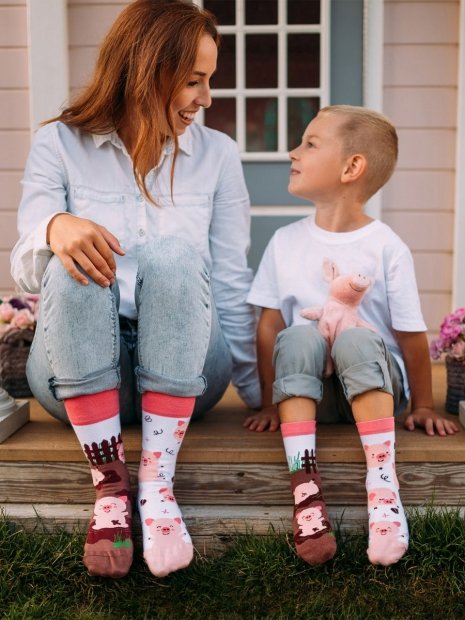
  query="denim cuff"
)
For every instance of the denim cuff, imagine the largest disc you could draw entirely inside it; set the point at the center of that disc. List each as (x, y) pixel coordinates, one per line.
(63, 388)
(148, 381)
(251, 395)
(364, 377)
(297, 385)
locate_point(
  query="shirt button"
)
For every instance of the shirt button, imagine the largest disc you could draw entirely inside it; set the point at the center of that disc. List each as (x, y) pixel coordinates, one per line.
(141, 232)
(140, 198)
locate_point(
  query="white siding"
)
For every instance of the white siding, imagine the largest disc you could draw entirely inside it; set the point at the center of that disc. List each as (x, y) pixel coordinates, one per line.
(420, 96)
(14, 124)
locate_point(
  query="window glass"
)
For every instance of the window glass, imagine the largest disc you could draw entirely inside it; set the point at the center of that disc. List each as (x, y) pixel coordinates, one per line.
(303, 60)
(222, 115)
(303, 11)
(224, 10)
(225, 76)
(260, 12)
(261, 69)
(300, 111)
(262, 124)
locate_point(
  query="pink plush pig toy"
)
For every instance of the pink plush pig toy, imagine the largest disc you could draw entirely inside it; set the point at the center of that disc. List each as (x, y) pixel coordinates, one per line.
(340, 311)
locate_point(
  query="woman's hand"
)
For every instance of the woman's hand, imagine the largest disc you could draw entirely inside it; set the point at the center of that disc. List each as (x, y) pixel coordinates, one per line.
(77, 241)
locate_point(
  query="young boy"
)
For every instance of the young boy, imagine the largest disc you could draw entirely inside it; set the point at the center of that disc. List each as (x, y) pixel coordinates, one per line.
(347, 154)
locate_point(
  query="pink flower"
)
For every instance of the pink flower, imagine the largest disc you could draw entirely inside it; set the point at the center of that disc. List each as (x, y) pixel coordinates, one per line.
(7, 312)
(23, 319)
(451, 338)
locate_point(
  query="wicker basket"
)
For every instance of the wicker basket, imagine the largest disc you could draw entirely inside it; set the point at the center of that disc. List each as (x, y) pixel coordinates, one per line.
(455, 384)
(14, 351)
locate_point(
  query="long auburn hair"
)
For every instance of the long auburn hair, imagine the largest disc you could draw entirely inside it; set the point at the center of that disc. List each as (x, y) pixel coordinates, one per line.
(144, 62)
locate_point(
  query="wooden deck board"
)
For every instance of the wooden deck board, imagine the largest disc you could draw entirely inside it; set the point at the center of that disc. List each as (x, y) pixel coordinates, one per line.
(228, 480)
(220, 438)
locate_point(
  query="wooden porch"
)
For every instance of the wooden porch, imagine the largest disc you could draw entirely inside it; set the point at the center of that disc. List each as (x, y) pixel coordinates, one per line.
(229, 480)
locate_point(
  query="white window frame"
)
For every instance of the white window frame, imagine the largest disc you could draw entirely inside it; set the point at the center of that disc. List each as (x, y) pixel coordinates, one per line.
(281, 92)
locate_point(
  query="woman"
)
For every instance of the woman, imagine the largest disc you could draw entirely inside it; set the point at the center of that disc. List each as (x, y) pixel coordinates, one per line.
(134, 227)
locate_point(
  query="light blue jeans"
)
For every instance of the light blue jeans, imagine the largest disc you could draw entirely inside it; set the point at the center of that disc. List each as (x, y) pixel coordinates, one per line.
(362, 363)
(82, 346)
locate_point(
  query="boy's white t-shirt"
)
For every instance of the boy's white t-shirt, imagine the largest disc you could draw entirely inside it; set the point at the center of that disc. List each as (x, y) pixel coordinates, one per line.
(290, 276)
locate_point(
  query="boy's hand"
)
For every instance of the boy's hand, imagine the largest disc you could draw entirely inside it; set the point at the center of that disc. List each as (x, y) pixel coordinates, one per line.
(266, 419)
(432, 422)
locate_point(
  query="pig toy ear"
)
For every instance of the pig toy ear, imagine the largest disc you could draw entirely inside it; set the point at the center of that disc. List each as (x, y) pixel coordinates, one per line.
(178, 520)
(330, 270)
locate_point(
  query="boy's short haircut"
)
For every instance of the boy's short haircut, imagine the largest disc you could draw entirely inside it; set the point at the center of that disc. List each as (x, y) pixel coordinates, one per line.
(371, 134)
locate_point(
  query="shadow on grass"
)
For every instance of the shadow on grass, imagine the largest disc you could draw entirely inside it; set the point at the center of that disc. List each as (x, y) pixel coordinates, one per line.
(41, 576)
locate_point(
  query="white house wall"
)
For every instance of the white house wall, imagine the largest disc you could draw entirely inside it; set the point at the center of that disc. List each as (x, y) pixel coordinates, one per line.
(420, 95)
(14, 123)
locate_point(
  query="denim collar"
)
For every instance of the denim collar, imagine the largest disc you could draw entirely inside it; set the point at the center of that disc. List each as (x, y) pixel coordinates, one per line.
(184, 141)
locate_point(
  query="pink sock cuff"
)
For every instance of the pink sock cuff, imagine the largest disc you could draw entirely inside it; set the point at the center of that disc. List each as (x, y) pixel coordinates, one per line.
(92, 408)
(371, 427)
(166, 405)
(293, 429)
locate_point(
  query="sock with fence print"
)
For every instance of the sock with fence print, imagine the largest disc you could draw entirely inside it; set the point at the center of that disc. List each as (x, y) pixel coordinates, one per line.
(95, 419)
(167, 544)
(313, 536)
(388, 529)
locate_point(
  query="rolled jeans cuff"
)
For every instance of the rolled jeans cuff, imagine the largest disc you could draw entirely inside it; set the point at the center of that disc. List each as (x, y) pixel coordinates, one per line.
(94, 383)
(298, 384)
(150, 382)
(364, 377)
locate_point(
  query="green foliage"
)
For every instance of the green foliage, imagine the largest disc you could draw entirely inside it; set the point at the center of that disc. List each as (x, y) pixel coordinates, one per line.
(259, 577)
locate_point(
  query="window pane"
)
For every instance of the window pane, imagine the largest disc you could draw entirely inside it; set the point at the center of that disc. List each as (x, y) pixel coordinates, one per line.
(225, 76)
(222, 116)
(225, 12)
(303, 60)
(303, 11)
(258, 12)
(262, 124)
(300, 111)
(261, 61)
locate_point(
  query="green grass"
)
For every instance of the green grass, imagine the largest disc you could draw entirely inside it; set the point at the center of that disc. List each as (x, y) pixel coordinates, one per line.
(41, 577)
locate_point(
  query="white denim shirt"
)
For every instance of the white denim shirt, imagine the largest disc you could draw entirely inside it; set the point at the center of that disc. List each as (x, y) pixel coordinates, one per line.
(91, 176)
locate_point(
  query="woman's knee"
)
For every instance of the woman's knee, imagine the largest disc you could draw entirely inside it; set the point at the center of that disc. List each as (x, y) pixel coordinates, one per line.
(57, 281)
(169, 254)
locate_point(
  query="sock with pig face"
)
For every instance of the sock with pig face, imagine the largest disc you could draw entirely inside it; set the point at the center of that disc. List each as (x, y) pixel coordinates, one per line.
(313, 537)
(167, 544)
(95, 419)
(388, 530)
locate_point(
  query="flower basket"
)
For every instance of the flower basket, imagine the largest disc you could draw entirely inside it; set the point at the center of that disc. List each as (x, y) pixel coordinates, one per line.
(455, 384)
(15, 345)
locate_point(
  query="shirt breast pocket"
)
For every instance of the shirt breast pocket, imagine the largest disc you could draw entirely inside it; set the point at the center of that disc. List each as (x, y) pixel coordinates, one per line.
(187, 217)
(108, 209)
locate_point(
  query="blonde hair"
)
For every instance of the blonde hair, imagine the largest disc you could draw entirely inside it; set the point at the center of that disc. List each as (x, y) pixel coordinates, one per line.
(371, 134)
(144, 62)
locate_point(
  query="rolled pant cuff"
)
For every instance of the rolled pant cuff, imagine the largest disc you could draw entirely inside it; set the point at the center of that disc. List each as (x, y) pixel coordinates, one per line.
(150, 382)
(300, 385)
(95, 383)
(364, 377)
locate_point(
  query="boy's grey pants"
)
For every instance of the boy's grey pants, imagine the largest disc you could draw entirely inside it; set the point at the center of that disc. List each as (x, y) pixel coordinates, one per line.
(362, 363)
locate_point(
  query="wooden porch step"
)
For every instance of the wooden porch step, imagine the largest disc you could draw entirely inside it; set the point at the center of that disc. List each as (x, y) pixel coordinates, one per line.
(227, 475)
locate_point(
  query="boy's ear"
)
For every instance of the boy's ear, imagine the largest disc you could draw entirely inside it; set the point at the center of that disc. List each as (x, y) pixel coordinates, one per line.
(354, 168)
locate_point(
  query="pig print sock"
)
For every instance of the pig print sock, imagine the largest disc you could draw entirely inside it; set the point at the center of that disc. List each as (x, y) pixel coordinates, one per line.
(95, 419)
(167, 544)
(313, 537)
(388, 530)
